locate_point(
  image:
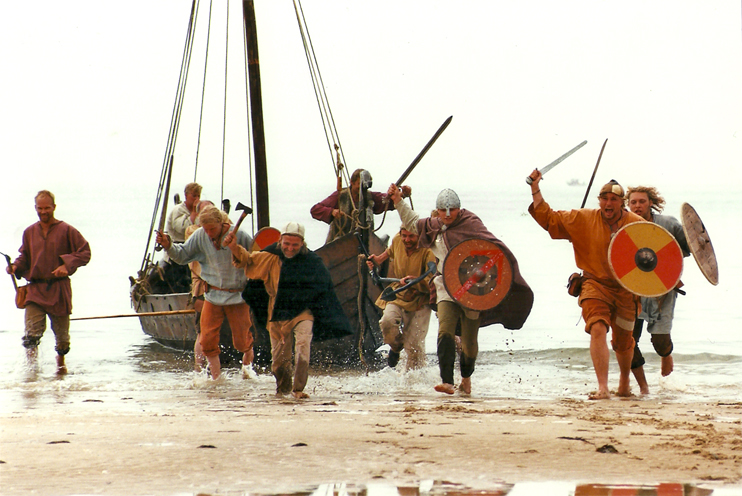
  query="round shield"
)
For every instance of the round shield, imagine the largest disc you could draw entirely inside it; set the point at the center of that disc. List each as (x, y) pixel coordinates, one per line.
(645, 259)
(266, 236)
(477, 274)
(699, 243)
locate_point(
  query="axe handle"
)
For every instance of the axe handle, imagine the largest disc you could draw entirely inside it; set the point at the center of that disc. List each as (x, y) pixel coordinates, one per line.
(12, 276)
(239, 221)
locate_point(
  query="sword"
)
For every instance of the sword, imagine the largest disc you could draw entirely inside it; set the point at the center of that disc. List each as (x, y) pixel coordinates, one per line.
(557, 161)
(423, 151)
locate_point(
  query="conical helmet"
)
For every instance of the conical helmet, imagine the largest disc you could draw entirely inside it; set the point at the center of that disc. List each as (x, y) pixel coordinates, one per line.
(447, 199)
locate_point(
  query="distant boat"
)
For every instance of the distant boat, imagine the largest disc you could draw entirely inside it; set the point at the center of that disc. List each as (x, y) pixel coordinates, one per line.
(152, 293)
(575, 182)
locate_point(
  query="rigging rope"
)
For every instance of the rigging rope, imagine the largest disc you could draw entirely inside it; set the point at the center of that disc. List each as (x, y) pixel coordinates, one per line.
(203, 89)
(174, 124)
(328, 121)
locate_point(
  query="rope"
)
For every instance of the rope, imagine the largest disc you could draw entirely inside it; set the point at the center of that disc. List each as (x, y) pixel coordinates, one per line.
(174, 123)
(224, 115)
(323, 103)
(203, 90)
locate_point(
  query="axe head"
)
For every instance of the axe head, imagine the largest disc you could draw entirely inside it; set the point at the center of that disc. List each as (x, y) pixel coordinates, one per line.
(245, 209)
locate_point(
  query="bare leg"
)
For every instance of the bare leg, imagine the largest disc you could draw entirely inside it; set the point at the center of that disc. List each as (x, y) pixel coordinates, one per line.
(215, 365)
(667, 365)
(31, 355)
(199, 357)
(601, 357)
(299, 395)
(641, 379)
(61, 367)
(247, 370)
(624, 364)
(465, 386)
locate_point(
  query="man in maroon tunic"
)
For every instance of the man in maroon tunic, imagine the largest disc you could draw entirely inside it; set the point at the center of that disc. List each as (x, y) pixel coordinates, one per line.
(52, 251)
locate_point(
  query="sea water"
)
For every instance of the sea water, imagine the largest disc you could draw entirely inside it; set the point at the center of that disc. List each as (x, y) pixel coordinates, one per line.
(548, 358)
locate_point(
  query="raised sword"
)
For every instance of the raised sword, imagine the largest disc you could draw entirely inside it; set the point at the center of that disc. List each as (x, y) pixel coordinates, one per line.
(556, 162)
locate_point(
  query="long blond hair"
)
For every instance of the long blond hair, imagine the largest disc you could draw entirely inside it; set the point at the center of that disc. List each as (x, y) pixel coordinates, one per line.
(658, 203)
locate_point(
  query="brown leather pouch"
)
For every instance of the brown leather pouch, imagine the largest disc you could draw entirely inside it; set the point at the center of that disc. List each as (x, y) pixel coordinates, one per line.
(20, 296)
(574, 284)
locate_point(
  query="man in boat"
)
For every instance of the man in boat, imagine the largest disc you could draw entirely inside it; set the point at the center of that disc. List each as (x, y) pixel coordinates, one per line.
(223, 297)
(647, 202)
(451, 226)
(184, 214)
(302, 304)
(50, 253)
(340, 208)
(605, 303)
(404, 323)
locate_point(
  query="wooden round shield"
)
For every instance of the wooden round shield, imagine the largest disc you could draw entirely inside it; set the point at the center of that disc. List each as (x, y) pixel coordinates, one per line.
(645, 259)
(266, 236)
(699, 243)
(477, 274)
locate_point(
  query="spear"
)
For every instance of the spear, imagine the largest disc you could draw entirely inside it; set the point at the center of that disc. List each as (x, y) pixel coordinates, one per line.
(593, 176)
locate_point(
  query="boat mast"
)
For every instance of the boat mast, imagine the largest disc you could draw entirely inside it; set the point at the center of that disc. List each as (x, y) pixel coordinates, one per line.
(256, 114)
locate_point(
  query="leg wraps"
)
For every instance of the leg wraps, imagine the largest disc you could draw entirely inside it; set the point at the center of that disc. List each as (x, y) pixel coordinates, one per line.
(662, 344)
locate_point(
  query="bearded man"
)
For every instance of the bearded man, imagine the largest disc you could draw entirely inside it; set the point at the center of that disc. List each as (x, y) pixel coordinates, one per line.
(605, 303)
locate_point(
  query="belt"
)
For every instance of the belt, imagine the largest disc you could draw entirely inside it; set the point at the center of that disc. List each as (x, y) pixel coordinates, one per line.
(232, 290)
(48, 281)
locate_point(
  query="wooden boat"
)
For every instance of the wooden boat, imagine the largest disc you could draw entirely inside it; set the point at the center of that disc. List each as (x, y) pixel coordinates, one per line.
(151, 291)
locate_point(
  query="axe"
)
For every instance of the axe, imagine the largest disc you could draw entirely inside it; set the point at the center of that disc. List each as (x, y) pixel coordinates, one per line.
(12, 276)
(390, 294)
(245, 210)
(378, 280)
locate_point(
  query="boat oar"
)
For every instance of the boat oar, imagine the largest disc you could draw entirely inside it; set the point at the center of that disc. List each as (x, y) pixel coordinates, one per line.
(390, 294)
(12, 277)
(143, 314)
(589, 185)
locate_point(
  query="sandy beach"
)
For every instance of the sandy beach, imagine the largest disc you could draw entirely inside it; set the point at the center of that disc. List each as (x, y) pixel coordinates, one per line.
(147, 445)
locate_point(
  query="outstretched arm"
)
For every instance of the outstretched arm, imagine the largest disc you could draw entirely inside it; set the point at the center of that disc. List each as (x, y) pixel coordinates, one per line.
(538, 198)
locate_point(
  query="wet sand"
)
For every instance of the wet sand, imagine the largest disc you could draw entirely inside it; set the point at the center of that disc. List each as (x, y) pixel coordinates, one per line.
(108, 444)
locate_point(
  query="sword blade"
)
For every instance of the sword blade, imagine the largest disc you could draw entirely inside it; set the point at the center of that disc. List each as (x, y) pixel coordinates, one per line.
(556, 162)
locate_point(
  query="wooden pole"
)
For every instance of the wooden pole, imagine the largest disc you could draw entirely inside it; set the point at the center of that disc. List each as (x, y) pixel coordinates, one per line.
(143, 314)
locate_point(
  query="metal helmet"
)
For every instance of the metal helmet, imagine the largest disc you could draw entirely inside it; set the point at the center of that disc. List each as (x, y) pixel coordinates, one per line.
(447, 199)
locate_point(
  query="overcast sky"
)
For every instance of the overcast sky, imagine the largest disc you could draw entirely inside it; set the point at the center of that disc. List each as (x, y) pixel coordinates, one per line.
(88, 87)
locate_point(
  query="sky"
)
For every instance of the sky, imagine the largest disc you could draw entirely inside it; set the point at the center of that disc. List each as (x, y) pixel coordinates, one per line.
(88, 89)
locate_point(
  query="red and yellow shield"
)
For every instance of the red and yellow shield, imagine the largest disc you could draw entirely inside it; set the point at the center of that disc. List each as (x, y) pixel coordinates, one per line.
(645, 259)
(477, 274)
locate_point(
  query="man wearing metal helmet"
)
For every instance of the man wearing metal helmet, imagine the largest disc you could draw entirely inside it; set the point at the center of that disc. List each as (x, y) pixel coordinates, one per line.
(449, 227)
(302, 304)
(605, 303)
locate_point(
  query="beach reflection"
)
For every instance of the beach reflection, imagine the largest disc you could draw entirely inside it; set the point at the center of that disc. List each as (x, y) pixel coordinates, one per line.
(441, 488)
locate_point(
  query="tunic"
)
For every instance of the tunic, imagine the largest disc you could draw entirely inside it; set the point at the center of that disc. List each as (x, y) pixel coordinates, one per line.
(414, 298)
(177, 222)
(341, 200)
(590, 236)
(513, 311)
(40, 256)
(225, 281)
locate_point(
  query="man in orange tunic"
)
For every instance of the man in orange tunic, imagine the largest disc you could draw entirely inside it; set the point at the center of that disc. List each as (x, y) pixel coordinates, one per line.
(604, 302)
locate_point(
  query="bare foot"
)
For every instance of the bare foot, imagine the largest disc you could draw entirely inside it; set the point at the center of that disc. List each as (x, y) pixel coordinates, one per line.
(248, 372)
(599, 395)
(299, 395)
(465, 386)
(624, 393)
(445, 388)
(667, 365)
